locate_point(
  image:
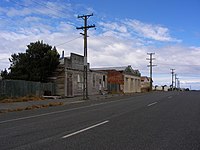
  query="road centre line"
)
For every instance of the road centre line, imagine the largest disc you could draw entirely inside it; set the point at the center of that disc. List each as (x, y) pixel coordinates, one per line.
(85, 129)
(152, 104)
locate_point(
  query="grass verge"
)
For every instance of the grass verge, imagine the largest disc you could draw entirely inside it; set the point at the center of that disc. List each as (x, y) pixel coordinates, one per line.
(22, 99)
(33, 107)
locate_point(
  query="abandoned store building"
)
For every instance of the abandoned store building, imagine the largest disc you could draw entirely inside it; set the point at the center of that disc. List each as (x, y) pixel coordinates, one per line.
(69, 77)
(145, 84)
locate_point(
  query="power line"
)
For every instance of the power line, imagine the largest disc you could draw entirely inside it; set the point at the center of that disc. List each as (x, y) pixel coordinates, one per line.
(53, 9)
(1, 59)
(18, 3)
(43, 4)
(68, 41)
(177, 64)
(56, 11)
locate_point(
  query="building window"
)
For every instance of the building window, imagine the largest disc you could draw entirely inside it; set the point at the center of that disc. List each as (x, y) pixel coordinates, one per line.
(80, 81)
(139, 83)
(78, 78)
(104, 78)
(99, 81)
(132, 84)
(104, 81)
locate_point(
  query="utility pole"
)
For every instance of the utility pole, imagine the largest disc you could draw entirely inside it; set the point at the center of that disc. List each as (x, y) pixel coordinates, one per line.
(85, 76)
(175, 81)
(179, 84)
(151, 67)
(172, 72)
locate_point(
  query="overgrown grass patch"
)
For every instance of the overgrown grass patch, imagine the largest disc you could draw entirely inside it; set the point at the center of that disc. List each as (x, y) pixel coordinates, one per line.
(22, 99)
(33, 107)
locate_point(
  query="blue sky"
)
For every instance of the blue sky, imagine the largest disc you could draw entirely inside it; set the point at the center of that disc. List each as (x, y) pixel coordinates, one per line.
(125, 31)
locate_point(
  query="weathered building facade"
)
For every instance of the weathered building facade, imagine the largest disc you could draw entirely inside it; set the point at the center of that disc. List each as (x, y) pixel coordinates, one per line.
(122, 79)
(69, 77)
(145, 84)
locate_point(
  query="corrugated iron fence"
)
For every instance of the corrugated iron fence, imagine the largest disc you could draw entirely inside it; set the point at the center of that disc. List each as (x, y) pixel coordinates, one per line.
(17, 88)
(114, 88)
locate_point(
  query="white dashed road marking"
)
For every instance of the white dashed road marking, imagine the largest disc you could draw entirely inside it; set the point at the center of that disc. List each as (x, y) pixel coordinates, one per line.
(152, 104)
(85, 129)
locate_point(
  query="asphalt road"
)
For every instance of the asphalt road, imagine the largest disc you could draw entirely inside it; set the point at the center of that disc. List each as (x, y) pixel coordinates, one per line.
(155, 121)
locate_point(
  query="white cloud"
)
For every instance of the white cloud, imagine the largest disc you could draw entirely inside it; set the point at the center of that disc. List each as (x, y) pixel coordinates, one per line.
(117, 52)
(135, 29)
(113, 26)
(32, 19)
(155, 32)
(2, 10)
(114, 29)
(50, 9)
(181, 56)
(18, 12)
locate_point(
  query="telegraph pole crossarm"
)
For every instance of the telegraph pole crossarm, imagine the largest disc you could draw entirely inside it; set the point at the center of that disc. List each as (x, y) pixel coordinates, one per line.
(91, 26)
(86, 16)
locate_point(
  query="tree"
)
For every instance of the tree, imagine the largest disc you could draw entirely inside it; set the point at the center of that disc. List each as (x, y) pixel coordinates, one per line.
(4, 74)
(37, 64)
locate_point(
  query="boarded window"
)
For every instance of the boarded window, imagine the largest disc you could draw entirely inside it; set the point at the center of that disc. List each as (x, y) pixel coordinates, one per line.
(78, 78)
(80, 81)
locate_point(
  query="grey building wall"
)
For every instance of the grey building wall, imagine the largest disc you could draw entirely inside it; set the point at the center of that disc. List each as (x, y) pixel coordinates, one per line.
(95, 80)
(70, 83)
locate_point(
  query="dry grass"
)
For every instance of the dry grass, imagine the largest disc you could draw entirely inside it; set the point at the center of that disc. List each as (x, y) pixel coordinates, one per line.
(22, 99)
(34, 107)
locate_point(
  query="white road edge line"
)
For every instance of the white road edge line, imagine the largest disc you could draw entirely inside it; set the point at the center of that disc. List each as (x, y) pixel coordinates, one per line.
(82, 130)
(152, 104)
(56, 112)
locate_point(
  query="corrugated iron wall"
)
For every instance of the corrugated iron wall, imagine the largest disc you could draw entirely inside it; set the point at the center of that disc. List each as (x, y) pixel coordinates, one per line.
(114, 88)
(17, 88)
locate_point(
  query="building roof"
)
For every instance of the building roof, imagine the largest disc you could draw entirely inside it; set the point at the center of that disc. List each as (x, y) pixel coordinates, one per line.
(111, 68)
(125, 69)
(145, 77)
